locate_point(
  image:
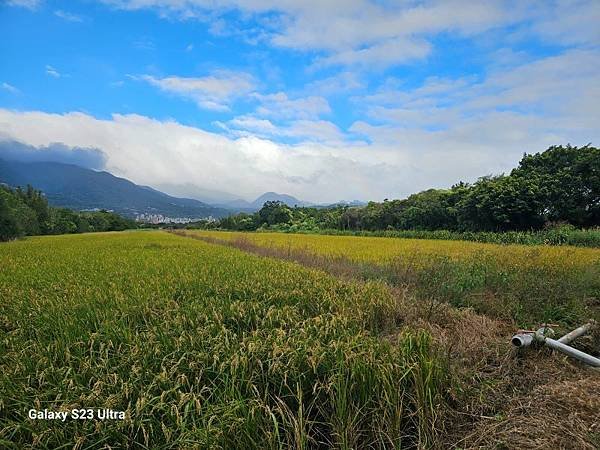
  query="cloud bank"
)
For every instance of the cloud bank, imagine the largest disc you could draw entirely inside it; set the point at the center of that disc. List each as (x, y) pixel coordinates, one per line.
(398, 162)
(90, 158)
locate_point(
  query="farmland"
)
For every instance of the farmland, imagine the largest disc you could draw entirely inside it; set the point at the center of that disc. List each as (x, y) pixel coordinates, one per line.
(203, 346)
(526, 284)
(267, 340)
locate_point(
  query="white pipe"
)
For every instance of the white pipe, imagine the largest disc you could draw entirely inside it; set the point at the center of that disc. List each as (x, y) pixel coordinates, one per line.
(569, 337)
(526, 339)
(573, 352)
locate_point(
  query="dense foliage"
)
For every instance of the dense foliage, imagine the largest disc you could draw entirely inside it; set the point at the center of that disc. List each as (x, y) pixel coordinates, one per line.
(25, 212)
(560, 185)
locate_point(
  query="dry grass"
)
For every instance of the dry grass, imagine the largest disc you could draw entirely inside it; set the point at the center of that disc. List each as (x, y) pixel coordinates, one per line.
(563, 413)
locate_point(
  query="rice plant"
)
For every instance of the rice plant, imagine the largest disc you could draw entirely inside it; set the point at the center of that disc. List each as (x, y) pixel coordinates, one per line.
(526, 284)
(203, 346)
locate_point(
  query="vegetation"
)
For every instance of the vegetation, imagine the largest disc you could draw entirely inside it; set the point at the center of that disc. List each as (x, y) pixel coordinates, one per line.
(559, 235)
(204, 346)
(560, 186)
(26, 213)
(526, 284)
(375, 343)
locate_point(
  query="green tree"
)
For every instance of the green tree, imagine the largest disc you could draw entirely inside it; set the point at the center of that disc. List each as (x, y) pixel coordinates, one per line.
(275, 212)
(500, 204)
(568, 179)
(9, 227)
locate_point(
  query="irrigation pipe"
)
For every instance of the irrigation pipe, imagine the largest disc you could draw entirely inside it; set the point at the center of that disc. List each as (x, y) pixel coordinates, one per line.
(524, 339)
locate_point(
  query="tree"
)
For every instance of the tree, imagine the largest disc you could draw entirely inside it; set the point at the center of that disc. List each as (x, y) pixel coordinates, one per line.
(500, 204)
(428, 210)
(9, 228)
(569, 181)
(275, 212)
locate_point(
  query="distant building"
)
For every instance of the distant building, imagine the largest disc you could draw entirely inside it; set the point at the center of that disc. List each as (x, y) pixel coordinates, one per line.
(159, 218)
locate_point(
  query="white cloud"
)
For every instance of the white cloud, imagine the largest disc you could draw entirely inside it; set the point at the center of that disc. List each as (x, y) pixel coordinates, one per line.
(492, 119)
(69, 17)
(342, 82)
(351, 32)
(29, 4)
(52, 71)
(155, 152)
(10, 88)
(281, 106)
(569, 22)
(254, 124)
(316, 130)
(307, 130)
(562, 88)
(396, 163)
(392, 51)
(214, 92)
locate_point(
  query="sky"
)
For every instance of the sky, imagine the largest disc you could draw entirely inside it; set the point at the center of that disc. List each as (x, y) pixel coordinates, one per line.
(326, 100)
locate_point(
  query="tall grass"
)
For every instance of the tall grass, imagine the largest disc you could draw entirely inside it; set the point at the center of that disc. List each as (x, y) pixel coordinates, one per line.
(203, 346)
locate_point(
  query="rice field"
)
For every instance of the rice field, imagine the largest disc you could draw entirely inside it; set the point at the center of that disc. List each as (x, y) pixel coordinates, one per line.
(526, 284)
(203, 346)
(383, 250)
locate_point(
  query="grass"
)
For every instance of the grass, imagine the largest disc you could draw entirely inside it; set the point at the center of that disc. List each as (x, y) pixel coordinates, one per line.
(204, 346)
(525, 284)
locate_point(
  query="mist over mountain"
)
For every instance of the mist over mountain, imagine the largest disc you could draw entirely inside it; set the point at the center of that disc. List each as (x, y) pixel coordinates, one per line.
(210, 196)
(255, 205)
(79, 188)
(88, 158)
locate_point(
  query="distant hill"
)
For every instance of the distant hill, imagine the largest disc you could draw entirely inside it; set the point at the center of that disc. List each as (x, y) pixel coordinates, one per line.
(243, 205)
(274, 197)
(345, 203)
(189, 190)
(75, 187)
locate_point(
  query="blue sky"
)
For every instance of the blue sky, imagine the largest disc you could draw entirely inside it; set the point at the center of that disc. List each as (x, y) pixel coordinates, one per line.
(325, 100)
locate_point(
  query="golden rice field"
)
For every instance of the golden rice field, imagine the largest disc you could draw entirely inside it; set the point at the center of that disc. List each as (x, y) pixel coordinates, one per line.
(527, 284)
(383, 250)
(203, 346)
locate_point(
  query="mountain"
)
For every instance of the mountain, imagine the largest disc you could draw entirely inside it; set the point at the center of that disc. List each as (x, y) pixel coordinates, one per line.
(240, 205)
(274, 197)
(188, 190)
(75, 187)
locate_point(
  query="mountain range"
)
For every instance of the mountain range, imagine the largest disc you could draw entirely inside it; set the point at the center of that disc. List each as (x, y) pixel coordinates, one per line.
(79, 188)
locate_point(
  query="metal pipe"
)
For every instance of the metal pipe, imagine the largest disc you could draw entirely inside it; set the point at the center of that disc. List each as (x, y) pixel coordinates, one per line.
(573, 352)
(522, 339)
(525, 339)
(570, 337)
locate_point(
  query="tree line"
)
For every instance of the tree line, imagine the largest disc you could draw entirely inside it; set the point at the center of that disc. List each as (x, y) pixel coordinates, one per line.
(25, 212)
(558, 186)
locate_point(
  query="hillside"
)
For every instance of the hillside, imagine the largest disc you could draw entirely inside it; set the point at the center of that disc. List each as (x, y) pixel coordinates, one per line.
(243, 205)
(78, 188)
